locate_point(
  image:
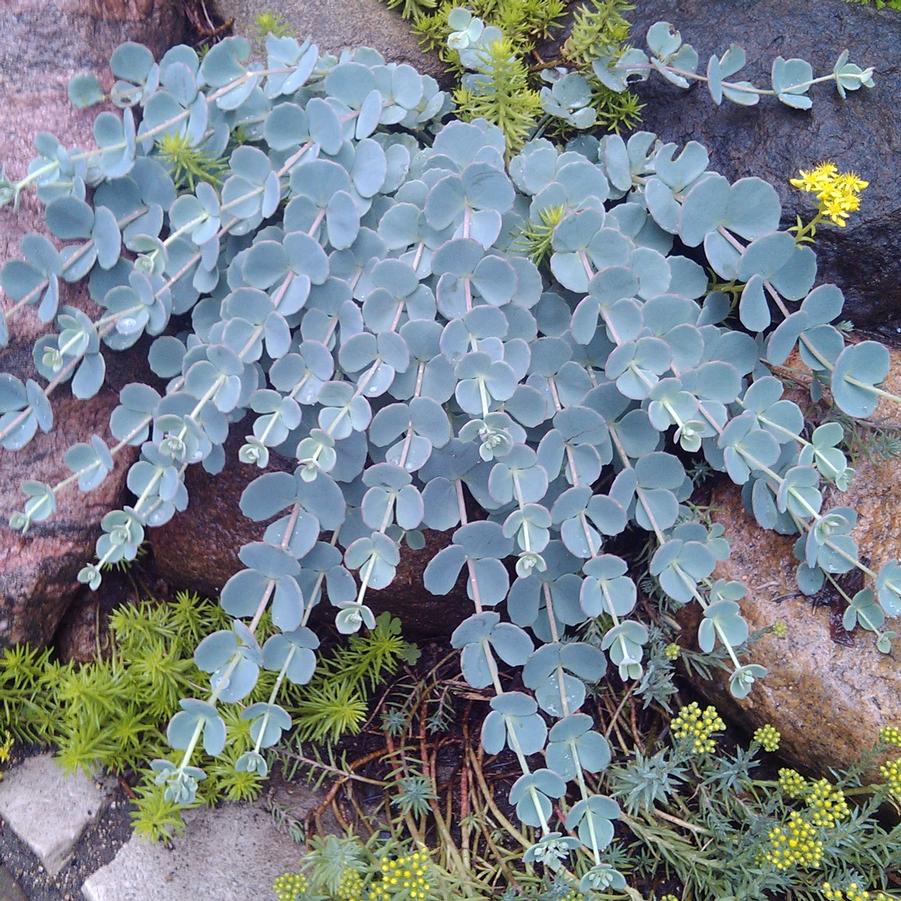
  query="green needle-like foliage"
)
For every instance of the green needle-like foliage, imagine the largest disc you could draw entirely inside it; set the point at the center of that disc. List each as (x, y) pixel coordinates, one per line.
(24, 710)
(504, 80)
(329, 710)
(154, 817)
(616, 110)
(111, 713)
(412, 9)
(879, 4)
(537, 238)
(271, 23)
(528, 21)
(500, 93)
(598, 27)
(188, 165)
(335, 702)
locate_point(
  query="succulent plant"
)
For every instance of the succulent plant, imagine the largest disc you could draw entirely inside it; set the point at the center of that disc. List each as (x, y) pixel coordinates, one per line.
(351, 291)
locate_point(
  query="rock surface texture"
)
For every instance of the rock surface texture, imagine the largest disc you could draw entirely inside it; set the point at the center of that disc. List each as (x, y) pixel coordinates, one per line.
(827, 692)
(49, 809)
(42, 44)
(337, 24)
(75, 828)
(233, 851)
(199, 549)
(862, 133)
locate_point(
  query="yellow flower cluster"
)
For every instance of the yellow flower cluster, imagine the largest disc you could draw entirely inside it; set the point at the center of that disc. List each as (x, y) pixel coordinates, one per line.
(838, 193)
(827, 803)
(891, 735)
(698, 726)
(669, 898)
(671, 651)
(792, 783)
(794, 845)
(852, 893)
(891, 772)
(407, 874)
(350, 886)
(290, 886)
(6, 746)
(768, 738)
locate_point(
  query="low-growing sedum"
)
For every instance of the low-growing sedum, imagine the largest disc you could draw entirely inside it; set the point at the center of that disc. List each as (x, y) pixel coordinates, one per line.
(351, 289)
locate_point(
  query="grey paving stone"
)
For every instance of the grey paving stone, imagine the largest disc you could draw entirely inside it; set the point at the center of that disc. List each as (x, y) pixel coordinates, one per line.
(48, 809)
(228, 853)
(336, 24)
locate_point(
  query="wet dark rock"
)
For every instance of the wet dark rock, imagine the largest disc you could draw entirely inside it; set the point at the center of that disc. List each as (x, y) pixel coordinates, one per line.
(861, 133)
(198, 549)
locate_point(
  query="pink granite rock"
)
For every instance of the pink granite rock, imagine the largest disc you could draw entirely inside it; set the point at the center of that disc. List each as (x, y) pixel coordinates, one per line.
(43, 43)
(827, 692)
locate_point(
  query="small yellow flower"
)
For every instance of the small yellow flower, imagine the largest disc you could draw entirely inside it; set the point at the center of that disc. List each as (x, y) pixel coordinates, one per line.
(794, 844)
(6, 746)
(891, 735)
(780, 630)
(838, 193)
(852, 893)
(792, 783)
(768, 738)
(350, 886)
(669, 898)
(290, 886)
(852, 181)
(891, 772)
(816, 179)
(698, 727)
(827, 803)
(835, 211)
(672, 651)
(407, 874)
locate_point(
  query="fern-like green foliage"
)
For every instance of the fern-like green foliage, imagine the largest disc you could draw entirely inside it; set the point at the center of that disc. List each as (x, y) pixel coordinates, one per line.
(335, 702)
(412, 9)
(189, 165)
(616, 111)
(269, 22)
(24, 710)
(537, 238)
(526, 21)
(153, 817)
(598, 28)
(500, 93)
(111, 713)
(502, 84)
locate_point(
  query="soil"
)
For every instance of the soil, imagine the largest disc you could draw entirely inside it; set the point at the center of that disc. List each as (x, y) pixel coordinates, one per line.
(98, 846)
